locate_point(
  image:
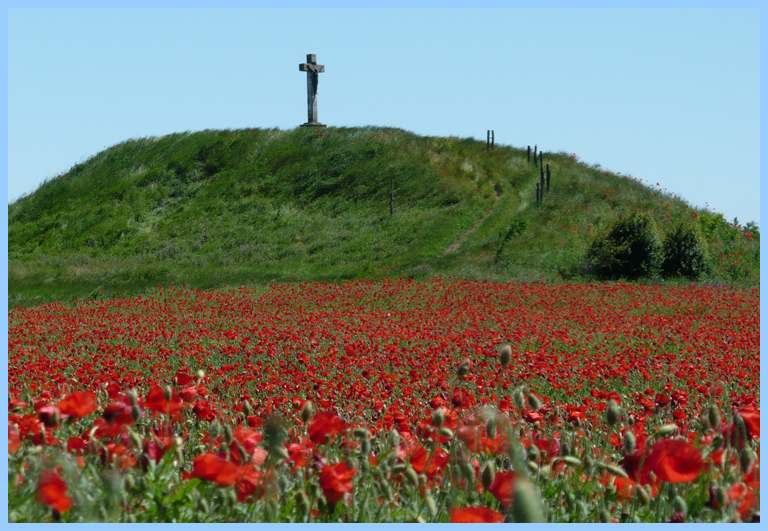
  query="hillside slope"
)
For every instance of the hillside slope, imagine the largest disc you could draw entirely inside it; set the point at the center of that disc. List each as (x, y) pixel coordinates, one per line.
(241, 207)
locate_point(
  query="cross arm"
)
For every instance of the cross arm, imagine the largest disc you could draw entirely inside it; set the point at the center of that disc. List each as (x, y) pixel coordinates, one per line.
(304, 67)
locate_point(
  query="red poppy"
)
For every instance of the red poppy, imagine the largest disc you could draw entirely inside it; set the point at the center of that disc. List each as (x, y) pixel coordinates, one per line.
(429, 464)
(673, 460)
(325, 426)
(211, 467)
(475, 515)
(52, 491)
(14, 439)
(336, 481)
(503, 487)
(80, 404)
(751, 416)
(157, 400)
(204, 410)
(249, 484)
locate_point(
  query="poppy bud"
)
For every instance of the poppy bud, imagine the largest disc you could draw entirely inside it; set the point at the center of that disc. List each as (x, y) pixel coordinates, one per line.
(136, 440)
(717, 441)
(135, 413)
(360, 433)
(200, 374)
(394, 438)
(666, 430)
(526, 506)
(365, 446)
(613, 469)
(468, 472)
(533, 467)
(533, 452)
(307, 411)
(410, 473)
(716, 497)
(464, 367)
(630, 442)
(518, 398)
(282, 483)
(571, 460)
(438, 417)
(642, 494)
(746, 459)
(612, 413)
(130, 481)
(302, 501)
(533, 402)
(228, 433)
(505, 355)
(446, 432)
(247, 411)
(605, 516)
(679, 506)
(431, 505)
(49, 415)
(281, 452)
(488, 473)
(167, 392)
(741, 429)
(133, 396)
(565, 446)
(713, 415)
(490, 428)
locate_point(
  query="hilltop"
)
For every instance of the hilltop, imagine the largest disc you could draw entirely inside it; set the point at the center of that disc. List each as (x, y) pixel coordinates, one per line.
(219, 208)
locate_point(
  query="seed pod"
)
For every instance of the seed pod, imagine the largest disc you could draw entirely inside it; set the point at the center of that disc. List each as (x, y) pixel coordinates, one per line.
(505, 355)
(630, 442)
(526, 506)
(488, 473)
(679, 505)
(307, 411)
(431, 505)
(612, 413)
(533, 402)
(666, 430)
(741, 428)
(438, 417)
(713, 415)
(746, 459)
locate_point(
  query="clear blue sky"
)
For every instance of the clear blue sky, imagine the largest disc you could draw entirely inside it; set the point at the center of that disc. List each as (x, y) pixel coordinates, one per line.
(668, 96)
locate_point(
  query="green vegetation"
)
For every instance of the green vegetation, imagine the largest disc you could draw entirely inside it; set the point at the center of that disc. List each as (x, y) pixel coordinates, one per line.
(218, 208)
(630, 250)
(684, 254)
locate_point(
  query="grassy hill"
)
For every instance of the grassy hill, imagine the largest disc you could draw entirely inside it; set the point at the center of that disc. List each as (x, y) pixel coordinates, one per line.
(218, 208)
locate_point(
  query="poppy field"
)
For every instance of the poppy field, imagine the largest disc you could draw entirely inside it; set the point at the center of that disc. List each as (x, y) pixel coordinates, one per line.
(389, 401)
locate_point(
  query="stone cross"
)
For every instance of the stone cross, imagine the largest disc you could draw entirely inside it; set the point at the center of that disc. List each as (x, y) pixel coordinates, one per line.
(312, 69)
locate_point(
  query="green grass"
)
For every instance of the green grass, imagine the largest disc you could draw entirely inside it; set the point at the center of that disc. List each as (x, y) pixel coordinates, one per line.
(217, 208)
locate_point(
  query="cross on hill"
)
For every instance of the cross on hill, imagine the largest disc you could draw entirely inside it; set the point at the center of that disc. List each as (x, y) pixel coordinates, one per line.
(312, 69)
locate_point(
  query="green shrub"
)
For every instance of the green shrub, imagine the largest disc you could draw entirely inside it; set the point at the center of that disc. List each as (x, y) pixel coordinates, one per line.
(684, 254)
(630, 250)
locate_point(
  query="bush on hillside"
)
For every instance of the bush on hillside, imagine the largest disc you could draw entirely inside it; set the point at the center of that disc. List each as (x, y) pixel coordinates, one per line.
(630, 250)
(683, 254)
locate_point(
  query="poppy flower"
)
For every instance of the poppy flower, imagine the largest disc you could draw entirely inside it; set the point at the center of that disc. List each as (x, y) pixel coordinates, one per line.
(429, 464)
(336, 481)
(211, 467)
(325, 426)
(80, 404)
(158, 401)
(14, 439)
(249, 484)
(673, 460)
(52, 491)
(503, 487)
(751, 416)
(475, 515)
